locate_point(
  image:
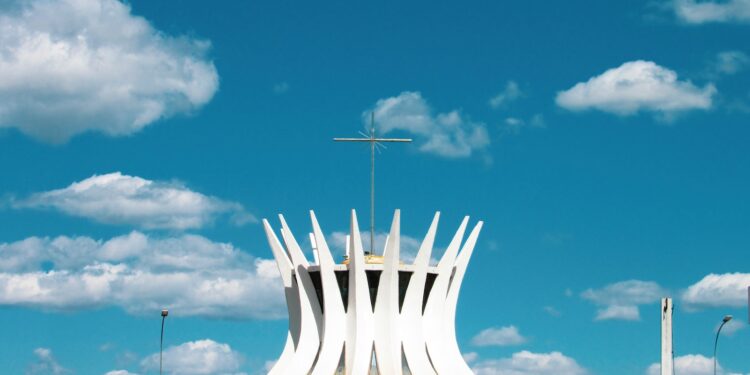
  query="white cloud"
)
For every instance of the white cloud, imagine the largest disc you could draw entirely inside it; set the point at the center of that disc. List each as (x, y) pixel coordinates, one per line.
(120, 372)
(621, 300)
(115, 198)
(637, 86)
(202, 357)
(72, 66)
(729, 289)
(698, 12)
(189, 274)
(731, 62)
(510, 93)
(503, 336)
(46, 364)
(528, 363)
(448, 134)
(691, 364)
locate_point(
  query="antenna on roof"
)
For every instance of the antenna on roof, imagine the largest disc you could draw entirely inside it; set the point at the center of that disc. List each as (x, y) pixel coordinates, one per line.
(374, 143)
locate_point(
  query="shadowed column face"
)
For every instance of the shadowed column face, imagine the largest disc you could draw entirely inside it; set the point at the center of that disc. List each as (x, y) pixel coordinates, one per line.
(372, 313)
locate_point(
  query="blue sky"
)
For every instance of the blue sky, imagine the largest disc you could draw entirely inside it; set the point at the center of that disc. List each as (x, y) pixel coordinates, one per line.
(603, 143)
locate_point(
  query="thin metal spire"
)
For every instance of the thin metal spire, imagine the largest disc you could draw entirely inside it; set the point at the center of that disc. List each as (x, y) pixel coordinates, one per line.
(374, 141)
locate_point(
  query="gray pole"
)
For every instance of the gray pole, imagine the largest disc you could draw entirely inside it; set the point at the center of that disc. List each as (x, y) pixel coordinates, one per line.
(716, 342)
(372, 183)
(164, 314)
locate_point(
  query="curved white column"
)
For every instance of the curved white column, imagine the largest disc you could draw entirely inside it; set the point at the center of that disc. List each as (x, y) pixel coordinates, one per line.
(452, 350)
(434, 311)
(412, 334)
(359, 340)
(310, 313)
(292, 301)
(387, 340)
(334, 316)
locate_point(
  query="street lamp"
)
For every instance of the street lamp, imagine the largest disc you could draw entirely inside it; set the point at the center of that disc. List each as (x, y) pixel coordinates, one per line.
(716, 342)
(164, 314)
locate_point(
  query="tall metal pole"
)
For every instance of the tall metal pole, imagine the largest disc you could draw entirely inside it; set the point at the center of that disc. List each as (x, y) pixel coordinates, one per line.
(164, 314)
(716, 342)
(372, 183)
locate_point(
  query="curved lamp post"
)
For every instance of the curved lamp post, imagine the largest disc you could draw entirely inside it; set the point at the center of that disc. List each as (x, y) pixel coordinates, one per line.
(164, 314)
(716, 342)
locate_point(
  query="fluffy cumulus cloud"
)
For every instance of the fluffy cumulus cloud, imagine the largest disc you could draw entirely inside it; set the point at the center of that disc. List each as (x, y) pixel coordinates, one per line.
(46, 364)
(115, 198)
(698, 12)
(528, 363)
(621, 300)
(503, 336)
(189, 274)
(634, 87)
(449, 134)
(202, 357)
(691, 364)
(729, 289)
(72, 66)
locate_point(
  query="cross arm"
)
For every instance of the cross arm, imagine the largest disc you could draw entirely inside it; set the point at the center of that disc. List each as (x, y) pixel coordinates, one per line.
(372, 139)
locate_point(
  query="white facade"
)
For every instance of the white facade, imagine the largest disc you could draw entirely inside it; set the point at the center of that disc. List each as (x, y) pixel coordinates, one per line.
(343, 318)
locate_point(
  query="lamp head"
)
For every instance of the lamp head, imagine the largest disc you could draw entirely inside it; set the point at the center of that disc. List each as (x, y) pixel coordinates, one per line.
(164, 312)
(727, 318)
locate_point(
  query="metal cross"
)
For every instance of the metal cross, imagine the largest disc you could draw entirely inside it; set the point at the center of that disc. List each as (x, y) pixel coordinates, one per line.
(373, 142)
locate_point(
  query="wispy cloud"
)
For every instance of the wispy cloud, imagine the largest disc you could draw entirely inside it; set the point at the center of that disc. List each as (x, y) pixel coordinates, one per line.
(732, 327)
(189, 274)
(528, 363)
(634, 87)
(700, 12)
(620, 300)
(552, 311)
(67, 70)
(46, 364)
(448, 134)
(731, 62)
(502, 336)
(514, 125)
(115, 198)
(510, 93)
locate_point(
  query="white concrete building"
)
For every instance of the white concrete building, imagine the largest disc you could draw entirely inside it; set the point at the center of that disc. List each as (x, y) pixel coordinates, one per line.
(371, 313)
